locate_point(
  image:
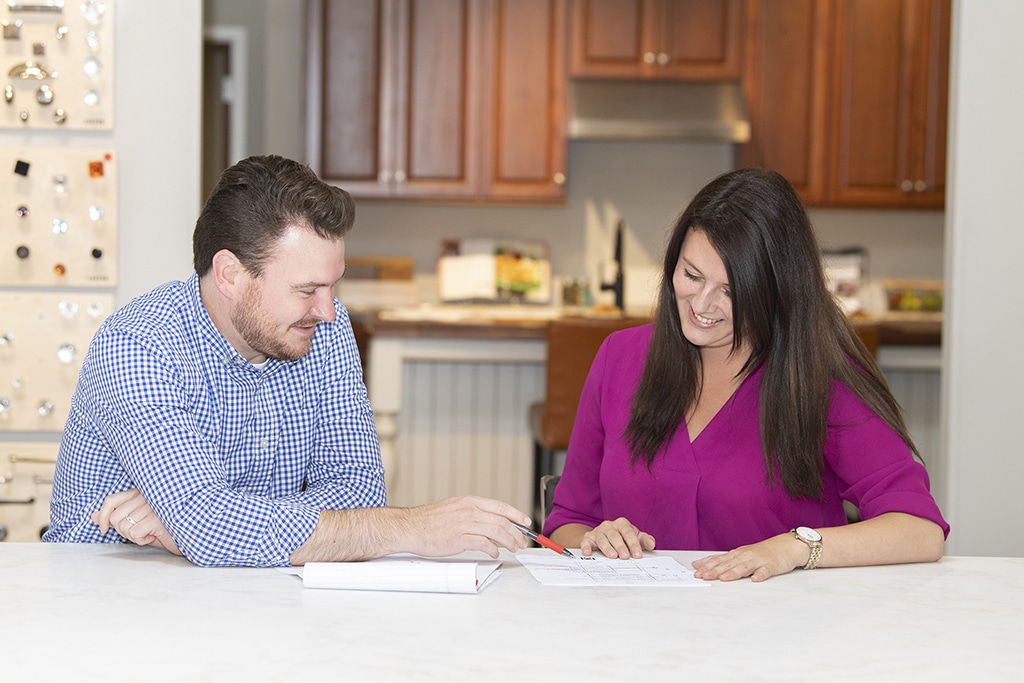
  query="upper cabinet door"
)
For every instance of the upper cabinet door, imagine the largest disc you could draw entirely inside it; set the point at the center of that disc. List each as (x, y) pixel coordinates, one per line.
(524, 100)
(786, 85)
(446, 99)
(848, 99)
(657, 39)
(891, 74)
(345, 139)
(390, 85)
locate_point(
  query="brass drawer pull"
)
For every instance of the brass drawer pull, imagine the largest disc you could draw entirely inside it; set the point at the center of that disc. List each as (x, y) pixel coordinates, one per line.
(14, 457)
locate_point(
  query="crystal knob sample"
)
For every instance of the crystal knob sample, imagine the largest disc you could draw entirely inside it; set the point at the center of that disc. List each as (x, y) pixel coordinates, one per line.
(6, 339)
(59, 226)
(5, 406)
(93, 10)
(61, 32)
(8, 93)
(96, 213)
(21, 211)
(91, 99)
(92, 67)
(17, 382)
(68, 308)
(92, 39)
(67, 354)
(60, 117)
(60, 183)
(45, 408)
(94, 309)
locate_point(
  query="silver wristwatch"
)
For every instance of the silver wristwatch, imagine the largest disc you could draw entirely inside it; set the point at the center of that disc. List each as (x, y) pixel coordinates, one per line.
(813, 540)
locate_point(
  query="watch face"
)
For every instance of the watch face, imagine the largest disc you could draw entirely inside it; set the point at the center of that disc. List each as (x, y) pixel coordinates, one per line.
(808, 533)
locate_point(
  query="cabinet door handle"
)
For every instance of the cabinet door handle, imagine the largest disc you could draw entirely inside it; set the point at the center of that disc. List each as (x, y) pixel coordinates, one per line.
(27, 501)
(14, 457)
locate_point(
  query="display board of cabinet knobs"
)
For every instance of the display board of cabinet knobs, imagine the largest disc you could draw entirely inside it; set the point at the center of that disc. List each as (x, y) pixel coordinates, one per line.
(58, 68)
(43, 339)
(58, 217)
(26, 483)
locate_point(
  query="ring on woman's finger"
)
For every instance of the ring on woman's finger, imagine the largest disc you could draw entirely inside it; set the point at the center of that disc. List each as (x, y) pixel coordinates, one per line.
(130, 520)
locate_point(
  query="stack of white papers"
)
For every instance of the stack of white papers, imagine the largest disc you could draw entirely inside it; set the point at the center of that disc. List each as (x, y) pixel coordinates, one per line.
(402, 573)
(597, 570)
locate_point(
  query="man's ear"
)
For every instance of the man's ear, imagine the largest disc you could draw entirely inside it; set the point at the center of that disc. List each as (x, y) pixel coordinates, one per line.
(228, 273)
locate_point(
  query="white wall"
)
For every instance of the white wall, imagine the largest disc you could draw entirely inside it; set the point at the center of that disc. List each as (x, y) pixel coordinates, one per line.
(157, 134)
(984, 327)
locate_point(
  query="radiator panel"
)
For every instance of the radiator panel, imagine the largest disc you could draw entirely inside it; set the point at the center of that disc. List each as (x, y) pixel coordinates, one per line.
(463, 429)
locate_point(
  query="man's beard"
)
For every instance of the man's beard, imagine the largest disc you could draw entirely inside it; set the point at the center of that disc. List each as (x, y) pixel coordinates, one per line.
(257, 330)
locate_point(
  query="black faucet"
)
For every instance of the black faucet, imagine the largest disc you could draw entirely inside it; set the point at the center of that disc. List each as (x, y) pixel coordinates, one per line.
(617, 285)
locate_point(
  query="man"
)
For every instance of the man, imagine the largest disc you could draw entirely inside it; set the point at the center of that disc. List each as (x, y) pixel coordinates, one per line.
(225, 417)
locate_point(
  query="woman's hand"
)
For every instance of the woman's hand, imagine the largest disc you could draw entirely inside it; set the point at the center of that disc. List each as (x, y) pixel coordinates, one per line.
(617, 539)
(130, 515)
(777, 555)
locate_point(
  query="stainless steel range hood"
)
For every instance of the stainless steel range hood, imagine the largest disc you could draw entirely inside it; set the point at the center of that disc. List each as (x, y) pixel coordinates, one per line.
(657, 110)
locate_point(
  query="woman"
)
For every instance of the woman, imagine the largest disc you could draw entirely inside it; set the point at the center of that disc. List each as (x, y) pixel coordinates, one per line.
(744, 416)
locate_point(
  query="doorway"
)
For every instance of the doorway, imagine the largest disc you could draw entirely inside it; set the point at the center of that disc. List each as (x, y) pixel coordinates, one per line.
(225, 97)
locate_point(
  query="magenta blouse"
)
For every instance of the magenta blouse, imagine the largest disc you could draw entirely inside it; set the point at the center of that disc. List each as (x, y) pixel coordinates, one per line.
(712, 494)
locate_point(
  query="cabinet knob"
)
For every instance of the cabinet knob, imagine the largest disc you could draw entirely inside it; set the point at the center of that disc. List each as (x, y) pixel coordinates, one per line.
(649, 58)
(907, 185)
(663, 58)
(384, 177)
(920, 186)
(399, 177)
(559, 179)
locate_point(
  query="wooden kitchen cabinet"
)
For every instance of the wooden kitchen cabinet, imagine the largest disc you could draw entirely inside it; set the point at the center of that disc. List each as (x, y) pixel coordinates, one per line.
(657, 39)
(848, 99)
(457, 99)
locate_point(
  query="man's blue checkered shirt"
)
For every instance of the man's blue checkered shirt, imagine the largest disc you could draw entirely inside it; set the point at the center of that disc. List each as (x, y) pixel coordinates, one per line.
(236, 461)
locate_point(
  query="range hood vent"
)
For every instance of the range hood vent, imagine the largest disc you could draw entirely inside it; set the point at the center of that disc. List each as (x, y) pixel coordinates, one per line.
(657, 110)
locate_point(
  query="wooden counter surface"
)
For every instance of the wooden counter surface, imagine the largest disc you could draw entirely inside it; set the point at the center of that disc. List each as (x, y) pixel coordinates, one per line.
(890, 332)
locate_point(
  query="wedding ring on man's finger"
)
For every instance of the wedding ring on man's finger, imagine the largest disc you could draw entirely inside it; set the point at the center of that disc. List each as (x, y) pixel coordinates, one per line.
(129, 519)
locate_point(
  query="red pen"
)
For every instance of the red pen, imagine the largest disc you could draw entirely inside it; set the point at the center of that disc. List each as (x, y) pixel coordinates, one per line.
(543, 540)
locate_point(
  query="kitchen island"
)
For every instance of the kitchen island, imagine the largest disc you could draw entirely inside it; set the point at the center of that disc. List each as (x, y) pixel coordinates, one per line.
(101, 612)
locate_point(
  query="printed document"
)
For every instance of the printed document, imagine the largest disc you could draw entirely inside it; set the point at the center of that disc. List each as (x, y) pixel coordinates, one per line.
(598, 570)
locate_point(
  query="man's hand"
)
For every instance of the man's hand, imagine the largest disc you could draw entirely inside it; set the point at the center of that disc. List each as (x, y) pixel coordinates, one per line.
(130, 515)
(448, 527)
(465, 523)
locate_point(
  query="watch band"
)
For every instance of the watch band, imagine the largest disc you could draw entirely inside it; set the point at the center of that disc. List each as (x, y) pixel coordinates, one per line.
(814, 545)
(812, 561)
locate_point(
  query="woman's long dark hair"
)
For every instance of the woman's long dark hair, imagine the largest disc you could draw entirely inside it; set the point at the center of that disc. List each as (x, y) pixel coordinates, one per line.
(782, 309)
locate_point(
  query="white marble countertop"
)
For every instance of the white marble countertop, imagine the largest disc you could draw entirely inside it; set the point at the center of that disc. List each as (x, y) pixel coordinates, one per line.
(107, 612)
